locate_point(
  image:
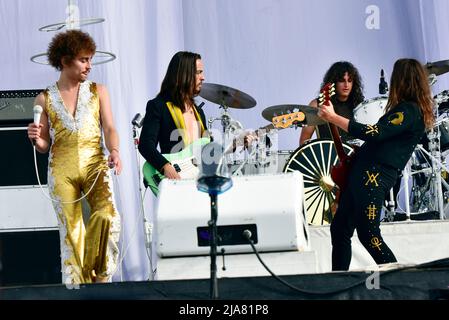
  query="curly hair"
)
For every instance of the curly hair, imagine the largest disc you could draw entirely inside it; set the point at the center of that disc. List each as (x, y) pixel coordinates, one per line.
(337, 72)
(67, 45)
(409, 82)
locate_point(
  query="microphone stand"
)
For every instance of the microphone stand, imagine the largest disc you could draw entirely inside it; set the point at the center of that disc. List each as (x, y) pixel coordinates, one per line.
(214, 184)
(147, 226)
(213, 246)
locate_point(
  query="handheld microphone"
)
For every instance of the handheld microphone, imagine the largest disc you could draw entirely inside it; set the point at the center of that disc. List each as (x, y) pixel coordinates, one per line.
(137, 120)
(37, 111)
(383, 85)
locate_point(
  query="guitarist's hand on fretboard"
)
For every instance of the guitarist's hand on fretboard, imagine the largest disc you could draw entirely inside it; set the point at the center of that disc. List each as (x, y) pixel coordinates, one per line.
(245, 139)
(249, 138)
(325, 107)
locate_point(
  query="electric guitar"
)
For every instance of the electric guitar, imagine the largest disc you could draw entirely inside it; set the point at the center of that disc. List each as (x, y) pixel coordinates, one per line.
(339, 172)
(184, 162)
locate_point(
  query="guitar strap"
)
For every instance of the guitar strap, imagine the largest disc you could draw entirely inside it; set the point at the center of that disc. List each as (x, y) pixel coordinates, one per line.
(178, 118)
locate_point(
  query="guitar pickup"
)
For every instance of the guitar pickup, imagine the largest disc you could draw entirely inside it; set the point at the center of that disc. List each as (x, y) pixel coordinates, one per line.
(156, 179)
(194, 162)
(177, 168)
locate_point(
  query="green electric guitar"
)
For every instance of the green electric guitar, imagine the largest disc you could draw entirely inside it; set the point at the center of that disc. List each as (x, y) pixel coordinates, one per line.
(183, 161)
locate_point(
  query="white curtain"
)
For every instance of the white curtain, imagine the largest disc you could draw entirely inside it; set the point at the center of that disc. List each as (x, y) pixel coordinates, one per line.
(275, 50)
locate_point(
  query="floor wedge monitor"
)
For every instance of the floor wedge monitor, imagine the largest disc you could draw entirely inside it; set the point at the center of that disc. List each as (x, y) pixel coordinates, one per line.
(269, 208)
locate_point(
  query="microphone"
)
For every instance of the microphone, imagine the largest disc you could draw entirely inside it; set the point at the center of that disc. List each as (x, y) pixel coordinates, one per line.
(137, 120)
(383, 85)
(37, 111)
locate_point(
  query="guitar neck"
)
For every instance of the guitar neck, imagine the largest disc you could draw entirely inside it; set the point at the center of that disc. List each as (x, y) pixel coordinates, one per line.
(268, 127)
(337, 142)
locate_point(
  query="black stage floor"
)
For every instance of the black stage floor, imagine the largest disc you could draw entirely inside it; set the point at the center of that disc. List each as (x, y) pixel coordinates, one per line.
(428, 281)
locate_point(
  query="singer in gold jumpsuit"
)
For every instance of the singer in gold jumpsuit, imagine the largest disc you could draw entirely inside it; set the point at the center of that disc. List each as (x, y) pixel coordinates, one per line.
(75, 114)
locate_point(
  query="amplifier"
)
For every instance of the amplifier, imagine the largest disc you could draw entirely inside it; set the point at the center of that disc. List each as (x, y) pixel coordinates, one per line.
(17, 160)
(16, 107)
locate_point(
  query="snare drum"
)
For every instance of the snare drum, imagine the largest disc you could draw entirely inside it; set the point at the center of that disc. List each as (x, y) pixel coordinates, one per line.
(370, 111)
(314, 160)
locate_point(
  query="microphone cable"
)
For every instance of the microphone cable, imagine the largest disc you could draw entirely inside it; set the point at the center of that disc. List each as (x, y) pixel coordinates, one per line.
(247, 235)
(56, 200)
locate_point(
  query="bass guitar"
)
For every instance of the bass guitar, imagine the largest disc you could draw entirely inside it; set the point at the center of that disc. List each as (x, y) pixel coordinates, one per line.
(184, 162)
(339, 172)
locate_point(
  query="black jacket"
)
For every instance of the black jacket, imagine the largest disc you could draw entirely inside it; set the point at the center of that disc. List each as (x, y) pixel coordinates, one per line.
(392, 140)
(158, 126)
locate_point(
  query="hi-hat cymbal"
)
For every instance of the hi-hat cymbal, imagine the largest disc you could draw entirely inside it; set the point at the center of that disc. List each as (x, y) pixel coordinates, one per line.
(226, 96)
(438, 67)
(310, 113)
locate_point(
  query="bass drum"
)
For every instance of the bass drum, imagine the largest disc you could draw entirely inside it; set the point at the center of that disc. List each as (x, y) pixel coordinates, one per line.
(314, 160)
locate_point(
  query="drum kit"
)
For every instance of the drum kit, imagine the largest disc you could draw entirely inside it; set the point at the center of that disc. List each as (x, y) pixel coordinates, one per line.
(427, 167)
(315, 158)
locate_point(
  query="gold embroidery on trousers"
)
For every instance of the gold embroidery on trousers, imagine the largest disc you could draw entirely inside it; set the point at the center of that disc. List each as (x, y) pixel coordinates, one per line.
(375, 242)
(371, 212)
(372, 178)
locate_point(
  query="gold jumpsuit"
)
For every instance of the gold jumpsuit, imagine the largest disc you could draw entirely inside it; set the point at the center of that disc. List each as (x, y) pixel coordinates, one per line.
(76, 157)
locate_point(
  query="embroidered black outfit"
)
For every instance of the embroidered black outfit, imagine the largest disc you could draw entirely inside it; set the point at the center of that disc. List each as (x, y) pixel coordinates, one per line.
(389, 145)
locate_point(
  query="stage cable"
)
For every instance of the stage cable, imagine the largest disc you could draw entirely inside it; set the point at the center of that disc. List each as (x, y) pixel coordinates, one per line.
(247, 235)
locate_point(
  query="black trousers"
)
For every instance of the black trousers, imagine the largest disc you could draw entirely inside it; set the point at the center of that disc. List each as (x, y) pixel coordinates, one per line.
(360, 208)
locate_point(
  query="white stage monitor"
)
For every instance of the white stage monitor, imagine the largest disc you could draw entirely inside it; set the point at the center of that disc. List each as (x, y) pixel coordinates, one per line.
(269, 206)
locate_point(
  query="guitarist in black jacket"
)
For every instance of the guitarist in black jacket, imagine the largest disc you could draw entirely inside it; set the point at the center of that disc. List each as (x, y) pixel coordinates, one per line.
(172, 119)
(388, 146)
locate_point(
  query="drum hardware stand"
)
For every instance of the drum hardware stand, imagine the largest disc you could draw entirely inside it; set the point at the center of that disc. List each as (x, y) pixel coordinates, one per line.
(417, 191)
(434, 180)
(229, 126)
(436, 168)
(390, 209)
(225, 119)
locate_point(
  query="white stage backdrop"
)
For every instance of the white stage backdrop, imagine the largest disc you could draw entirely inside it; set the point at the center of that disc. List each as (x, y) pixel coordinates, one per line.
(274, 50)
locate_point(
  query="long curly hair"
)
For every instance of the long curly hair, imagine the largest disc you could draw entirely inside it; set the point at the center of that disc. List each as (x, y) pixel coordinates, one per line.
(180, 80)
(337, 72)
(409, 82)
(67, 45)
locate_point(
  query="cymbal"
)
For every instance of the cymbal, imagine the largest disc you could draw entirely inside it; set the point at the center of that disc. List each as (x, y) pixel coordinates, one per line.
(311, 117)
(438, 67)
(226, 96)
